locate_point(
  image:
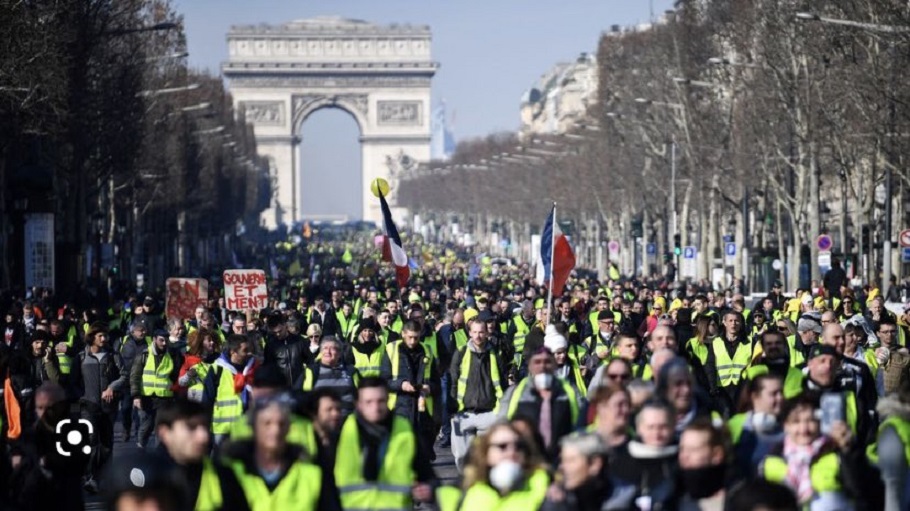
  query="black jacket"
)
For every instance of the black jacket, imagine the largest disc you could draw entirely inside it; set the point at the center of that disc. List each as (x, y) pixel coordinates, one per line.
(406, 404)
(480, 394)
(290, 354)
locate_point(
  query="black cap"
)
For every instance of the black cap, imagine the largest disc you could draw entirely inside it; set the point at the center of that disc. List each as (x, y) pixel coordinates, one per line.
(605, 314)
(160, 332)
(368, 324)
(777, 283)
(143, 473)
(818, 350)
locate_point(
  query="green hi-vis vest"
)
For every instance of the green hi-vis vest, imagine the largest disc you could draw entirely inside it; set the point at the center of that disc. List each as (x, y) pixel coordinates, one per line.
(483, 497)
(156, 381)
(824, 474)
(195, 390)
(461, 338)
(901, 427)
(574, 376)
(392, 488)
(730, 370)
(298, 489)
(523, 388)
(368, 365)
(793, 383)
(796, 357)
(210, 497)
(345, 324)
(301, 433)
(465, 371)
(397, 325)
(394, 354)
(595, 341)
(448, 498)
(65, 361)
(308, 379)
(228, 406)
(521, 332)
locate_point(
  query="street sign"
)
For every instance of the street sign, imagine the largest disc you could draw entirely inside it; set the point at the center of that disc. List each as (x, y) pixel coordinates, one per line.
(729, 254)
(824, 260)
(904, 239)
(651, 249)
(824, 243)
(689, 253)
(613, 247)
(905, 254)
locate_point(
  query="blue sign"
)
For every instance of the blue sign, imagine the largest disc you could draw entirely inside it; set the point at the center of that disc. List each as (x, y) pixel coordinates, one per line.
(730, 249)
(905, 254)
(651, 249)
(689, 253)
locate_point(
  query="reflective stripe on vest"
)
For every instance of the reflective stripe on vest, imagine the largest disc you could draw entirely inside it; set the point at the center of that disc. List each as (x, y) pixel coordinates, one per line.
(482, 497)
(465, 372)
(394, 354)
(210, 497)
(392, 488)
(298, 489)
(228, 406)
(729, 371)
(156, 381)
(523, 390)
(368, 365)
(194, 392)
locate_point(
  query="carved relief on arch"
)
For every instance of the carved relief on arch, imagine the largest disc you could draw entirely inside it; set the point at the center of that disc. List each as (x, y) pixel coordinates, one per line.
(356, 104)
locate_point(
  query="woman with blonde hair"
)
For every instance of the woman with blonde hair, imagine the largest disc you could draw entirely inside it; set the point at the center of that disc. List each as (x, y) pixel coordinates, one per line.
(504, 472)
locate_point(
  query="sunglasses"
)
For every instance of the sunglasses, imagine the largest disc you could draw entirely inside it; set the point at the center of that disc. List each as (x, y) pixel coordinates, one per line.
(517, 446)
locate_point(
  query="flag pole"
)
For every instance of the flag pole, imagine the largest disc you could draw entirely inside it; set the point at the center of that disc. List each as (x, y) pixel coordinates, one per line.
(552, 261)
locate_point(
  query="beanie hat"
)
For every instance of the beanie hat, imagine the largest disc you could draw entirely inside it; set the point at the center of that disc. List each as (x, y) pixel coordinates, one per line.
(553, 340)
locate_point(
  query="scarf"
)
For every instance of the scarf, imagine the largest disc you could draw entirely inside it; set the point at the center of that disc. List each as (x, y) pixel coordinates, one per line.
(799, 462)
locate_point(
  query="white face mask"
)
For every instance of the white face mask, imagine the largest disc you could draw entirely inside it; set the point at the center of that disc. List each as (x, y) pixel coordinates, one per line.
(543, 381)
(314, 349)
(504, 475)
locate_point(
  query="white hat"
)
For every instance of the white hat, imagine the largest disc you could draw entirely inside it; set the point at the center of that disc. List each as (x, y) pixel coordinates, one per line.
(553, 340)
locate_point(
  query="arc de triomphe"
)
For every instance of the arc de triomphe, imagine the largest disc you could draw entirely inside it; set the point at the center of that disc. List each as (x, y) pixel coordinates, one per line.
(381, 75)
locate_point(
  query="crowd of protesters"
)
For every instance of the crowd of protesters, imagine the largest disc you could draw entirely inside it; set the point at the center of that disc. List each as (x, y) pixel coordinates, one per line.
(626, 394)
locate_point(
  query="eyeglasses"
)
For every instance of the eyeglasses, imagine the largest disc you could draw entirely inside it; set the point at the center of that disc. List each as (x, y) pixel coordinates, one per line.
(517, 446)
(623, 376)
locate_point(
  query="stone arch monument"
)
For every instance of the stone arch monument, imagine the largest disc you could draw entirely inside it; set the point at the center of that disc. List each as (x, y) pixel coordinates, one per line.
(380, 75)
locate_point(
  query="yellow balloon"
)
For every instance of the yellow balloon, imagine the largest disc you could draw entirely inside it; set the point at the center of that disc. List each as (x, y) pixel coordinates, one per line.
(380, 185)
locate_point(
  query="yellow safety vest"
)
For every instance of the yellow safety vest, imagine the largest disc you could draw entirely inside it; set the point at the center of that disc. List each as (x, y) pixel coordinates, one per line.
(483, 497)
(394, 354)
(368, 365)
(448, 498)
(308, 382)
(465, 371)
(522, 330)
(461, 338)
(793, 383)
(901, 427)
(64, 360)
(523, 387)
(730, 370)
(345, 324)
(210, 497)
(298, 489)
(228, 406)
(194, 391)
(824, 474)
(156, 381)
(392, 488)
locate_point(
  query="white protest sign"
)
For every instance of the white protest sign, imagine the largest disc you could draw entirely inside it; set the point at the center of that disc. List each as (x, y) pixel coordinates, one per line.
(245, 289)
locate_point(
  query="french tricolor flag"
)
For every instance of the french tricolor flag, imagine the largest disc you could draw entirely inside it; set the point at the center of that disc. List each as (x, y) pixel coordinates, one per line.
(392, 250)
(556, 255)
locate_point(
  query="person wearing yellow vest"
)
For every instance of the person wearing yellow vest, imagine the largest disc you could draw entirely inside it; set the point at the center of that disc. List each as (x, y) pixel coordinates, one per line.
(599, 346)
(728, 356)
(346, 320)
(891, 450)
(225, 388)
(152, 379)
(756, 431)
(383, 319)
(366, 350)
(272, 472)
(520, 327)
(182, 428)
(566, 368)
(395, 319)
(853, 370)
(775, 360)
(823, 375)
(413, 379)
(332, 372)
(824, 471)
(379, 463)
(548, 401)
(505, 473)
(66, 344)
(477, 379)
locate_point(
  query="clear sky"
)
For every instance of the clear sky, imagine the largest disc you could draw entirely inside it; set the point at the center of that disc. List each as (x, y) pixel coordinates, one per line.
(490, 52)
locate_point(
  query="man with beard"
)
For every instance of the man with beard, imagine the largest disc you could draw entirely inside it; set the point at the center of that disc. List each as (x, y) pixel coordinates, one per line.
(775, 359)
(28, 370)
(284, 349)
(702, 467)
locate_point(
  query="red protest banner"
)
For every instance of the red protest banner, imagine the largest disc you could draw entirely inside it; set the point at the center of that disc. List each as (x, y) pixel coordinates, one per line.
(245, 289)
(184, 295)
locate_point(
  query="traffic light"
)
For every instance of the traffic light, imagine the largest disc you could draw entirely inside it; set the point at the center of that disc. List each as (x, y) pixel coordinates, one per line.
(677, 249)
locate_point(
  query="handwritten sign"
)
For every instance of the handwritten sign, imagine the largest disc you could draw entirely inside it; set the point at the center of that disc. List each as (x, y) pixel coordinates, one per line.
(245, 289)
(184, 295)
